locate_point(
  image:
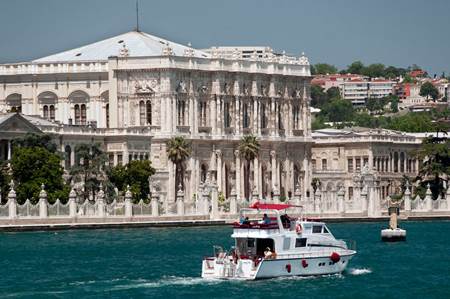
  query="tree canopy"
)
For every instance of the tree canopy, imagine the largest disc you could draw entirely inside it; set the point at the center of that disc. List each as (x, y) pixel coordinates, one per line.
(35, 165)
(428, 90)
(135, 174)
(323, 69)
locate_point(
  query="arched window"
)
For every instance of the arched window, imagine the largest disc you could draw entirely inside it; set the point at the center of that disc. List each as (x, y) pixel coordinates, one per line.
(263, 116)
(226, 115)
(181, 112)
(324, 164)
(45, 111)
(77, 114)
(52, 112)
(83, 114)
(149, 112)
(142, 113)
(280, 117)
(14, 101)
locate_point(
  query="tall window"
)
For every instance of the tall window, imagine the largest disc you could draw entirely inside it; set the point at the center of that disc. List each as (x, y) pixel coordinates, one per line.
(280, 117)
(202, 109)
(45, 111)
(181, 112)
(358, 163)
(83, 114)
(227, 115)
(148, 106)
(77, 114)
(263, 116)
(350, 165)
(296, 117)
(313, 163)
(350, 192)
(107, 115)
(52, 112)
(142, 113)
(245, 116)
(324, 164)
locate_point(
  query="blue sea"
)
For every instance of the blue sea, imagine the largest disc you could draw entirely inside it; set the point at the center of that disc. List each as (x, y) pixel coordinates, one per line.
(166, 263)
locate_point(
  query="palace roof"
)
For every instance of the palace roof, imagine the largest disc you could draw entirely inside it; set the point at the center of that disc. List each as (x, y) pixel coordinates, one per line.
(133, 44)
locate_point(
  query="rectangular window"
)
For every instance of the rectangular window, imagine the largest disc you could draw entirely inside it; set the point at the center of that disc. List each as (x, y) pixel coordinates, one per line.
(350, 165)
(250, 243)
(313, 163)
(301, 242)
(119, 159)
(350, 192)
(324, 164)
(358, 163)
(366, 161)
(317, 229)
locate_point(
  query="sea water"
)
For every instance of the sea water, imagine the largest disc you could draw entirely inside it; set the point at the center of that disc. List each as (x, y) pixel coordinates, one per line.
(166, 263)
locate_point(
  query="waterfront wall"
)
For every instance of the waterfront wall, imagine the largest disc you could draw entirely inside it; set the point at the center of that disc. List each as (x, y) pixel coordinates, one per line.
(208, 206)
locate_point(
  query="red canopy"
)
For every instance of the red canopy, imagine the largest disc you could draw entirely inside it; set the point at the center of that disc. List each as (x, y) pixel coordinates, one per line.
(270, 206)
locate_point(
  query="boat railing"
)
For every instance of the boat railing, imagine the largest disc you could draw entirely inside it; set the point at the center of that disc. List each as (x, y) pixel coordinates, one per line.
(313, 253)
(255, 225)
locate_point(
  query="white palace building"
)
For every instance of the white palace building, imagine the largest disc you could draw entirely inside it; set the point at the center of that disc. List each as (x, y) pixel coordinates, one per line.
(133, 92)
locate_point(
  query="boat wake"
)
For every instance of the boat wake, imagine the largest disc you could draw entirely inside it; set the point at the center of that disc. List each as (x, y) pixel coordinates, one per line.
(362, 271)
(164, 282)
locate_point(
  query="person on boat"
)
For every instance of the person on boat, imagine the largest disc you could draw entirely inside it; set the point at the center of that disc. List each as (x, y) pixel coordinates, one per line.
(246, 221)
(267, 253)
(285, 220)
(242, 219)
(266, 219)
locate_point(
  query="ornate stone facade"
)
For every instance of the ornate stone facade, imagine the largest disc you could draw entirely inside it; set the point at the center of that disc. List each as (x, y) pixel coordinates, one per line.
(134, 102)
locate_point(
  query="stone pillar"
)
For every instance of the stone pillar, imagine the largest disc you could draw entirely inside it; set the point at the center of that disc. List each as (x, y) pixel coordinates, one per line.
(276, 194)
(363, 197)
(128, 203)
(233, 202)
(256, 174)
(101, 202)
(9, 150)
(428, 199)
(12, 203)
(155, 204)
(180, 201)
(205, 201)
(72, 204)
(317, 200)
(447, 196)
(297, 195)
(255, 196)
(238, 173)
(214, 203)
(72, 156)
(43, 213)
(274, 168)
(219, 170)
(407, 199)
(340, 198)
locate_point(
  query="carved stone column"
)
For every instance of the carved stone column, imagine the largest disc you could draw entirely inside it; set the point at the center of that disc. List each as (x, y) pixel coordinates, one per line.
(238, 173)
(273, 161)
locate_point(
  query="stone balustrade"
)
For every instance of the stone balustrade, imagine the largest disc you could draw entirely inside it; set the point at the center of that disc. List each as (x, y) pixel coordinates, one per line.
(331, 204)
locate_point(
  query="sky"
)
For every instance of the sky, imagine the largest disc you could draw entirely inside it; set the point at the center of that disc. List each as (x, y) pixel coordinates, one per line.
(399, 33)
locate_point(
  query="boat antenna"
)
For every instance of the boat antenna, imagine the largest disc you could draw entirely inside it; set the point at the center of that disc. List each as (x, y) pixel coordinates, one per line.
(137, 15)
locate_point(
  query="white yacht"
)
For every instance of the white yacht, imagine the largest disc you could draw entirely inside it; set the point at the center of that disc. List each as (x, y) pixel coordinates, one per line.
(277, 246)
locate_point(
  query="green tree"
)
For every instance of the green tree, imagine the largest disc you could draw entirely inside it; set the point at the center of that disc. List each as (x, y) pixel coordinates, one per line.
(249, 150)
(374, 70)
(178, 150)
(136, 175)
(356, 67)
(5, 179)
(374, 104)
(35, 140)
(394, 104)
(318, 96)
(324, 68)
(333, 93)
(338, 110)
(89, 167)
(33, 166)
(435, 169)
(429, 90)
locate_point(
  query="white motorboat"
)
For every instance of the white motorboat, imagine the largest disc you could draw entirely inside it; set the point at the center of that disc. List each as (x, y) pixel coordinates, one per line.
(277, 246)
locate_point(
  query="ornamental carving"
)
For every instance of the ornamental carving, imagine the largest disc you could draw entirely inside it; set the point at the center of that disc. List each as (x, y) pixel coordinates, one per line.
(181, 88)
(146, 87)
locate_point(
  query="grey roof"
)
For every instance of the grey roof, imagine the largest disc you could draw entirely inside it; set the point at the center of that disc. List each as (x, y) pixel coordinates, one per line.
(138, 44)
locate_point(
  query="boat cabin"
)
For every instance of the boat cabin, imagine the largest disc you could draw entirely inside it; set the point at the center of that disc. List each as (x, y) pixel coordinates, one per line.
(267, 226)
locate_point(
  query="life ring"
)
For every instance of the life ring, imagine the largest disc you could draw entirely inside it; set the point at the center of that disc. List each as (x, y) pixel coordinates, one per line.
(298, 228)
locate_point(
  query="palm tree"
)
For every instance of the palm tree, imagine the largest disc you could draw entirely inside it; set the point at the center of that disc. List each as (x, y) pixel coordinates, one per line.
(178, 150)
(249, 149)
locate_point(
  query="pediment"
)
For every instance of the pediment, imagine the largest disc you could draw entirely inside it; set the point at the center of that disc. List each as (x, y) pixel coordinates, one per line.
(18, 124)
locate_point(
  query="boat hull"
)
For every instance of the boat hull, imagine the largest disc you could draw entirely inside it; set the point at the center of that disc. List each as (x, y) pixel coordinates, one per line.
(271, 268)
